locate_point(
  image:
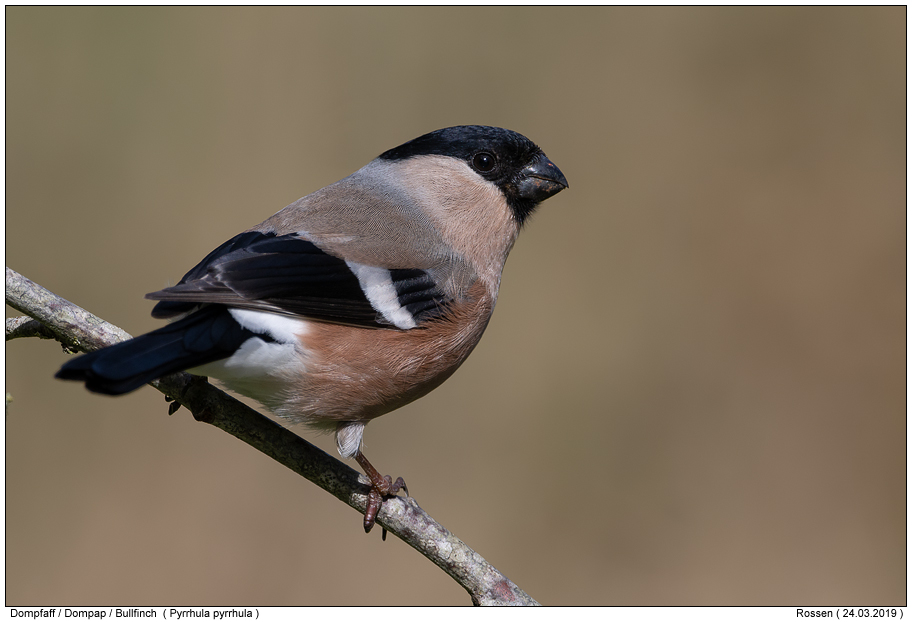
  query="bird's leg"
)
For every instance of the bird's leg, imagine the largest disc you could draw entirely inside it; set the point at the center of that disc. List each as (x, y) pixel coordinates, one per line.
(381, 486)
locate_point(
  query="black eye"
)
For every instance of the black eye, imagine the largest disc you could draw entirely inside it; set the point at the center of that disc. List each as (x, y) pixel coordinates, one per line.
(484, 162)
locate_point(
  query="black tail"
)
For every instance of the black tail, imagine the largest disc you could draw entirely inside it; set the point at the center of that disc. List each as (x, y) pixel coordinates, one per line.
(205, 336)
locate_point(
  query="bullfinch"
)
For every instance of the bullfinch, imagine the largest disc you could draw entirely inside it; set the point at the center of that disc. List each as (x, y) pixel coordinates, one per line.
(354, 300)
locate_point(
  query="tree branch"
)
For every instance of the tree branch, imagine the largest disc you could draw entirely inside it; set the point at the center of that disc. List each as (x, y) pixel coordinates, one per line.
(24, 326)
(77, 329)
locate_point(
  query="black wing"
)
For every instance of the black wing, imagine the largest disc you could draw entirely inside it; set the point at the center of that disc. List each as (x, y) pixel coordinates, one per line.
(288, 274)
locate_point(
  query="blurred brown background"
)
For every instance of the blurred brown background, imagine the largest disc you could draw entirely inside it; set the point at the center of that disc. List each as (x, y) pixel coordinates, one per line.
(693, 389)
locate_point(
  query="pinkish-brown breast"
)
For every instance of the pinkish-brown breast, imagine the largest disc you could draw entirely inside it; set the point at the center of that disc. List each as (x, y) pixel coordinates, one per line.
(357, 374)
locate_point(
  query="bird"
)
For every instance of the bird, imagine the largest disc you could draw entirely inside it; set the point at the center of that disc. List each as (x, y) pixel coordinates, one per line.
(354, 300)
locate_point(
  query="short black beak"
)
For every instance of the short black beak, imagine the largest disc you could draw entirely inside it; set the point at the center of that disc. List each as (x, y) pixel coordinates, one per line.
(541, 179)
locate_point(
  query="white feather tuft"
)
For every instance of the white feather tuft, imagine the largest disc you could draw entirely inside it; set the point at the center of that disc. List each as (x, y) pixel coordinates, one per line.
(348, 438)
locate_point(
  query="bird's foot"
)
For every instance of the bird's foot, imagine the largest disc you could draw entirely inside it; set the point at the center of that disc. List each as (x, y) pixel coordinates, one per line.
(381, 486)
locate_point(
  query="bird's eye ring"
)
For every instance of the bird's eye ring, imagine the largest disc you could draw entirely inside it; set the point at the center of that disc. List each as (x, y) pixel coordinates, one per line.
(484, 162)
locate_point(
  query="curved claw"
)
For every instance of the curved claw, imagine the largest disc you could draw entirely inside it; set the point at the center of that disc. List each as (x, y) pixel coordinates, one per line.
(399, 485)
